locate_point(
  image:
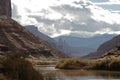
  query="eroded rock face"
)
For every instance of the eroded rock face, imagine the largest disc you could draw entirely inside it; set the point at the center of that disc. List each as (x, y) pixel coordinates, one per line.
(5, 7)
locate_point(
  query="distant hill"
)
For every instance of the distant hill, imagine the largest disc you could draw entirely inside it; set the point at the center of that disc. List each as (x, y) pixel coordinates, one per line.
(82, 46)
(15, 38)
(105, 47)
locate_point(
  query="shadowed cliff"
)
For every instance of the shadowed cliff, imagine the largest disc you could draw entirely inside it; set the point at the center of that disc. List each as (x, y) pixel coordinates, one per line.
(5, 7)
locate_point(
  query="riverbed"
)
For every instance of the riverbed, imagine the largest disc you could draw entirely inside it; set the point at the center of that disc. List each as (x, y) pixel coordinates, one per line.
(49, 72)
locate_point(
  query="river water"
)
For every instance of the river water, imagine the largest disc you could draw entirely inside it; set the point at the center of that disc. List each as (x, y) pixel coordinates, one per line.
(50, 73)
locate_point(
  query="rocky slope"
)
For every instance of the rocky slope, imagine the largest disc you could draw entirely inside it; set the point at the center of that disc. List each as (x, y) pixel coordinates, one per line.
(105, 47)
(5, 7)
(33, 29)
(113, 53)
(16, 38)
(60, 45)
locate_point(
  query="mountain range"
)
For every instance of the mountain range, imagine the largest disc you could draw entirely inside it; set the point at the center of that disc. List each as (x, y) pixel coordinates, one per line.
(70, 45)
(79, 46)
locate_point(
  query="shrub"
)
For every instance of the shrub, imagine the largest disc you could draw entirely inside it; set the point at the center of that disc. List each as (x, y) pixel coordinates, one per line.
(107, 64)
(71, 64)
(99, 64)
(18, 68)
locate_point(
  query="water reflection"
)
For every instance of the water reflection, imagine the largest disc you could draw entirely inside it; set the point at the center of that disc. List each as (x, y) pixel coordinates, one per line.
(51, 73)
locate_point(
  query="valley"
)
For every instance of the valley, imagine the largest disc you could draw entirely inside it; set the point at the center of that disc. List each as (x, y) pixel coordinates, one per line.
(70, 45)
(28, 54)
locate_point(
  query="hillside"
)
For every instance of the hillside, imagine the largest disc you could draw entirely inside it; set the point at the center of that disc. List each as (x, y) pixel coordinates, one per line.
(105, 47)
(113, 53)
(17, 39)
(33, 29)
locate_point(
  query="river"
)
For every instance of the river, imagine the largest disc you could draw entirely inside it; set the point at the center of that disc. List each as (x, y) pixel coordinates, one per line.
(49, 72)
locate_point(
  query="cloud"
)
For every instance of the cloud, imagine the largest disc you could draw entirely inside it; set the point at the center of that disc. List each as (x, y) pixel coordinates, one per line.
(114, 0)
(69, 17)
(73, 13)
(99, 1)
(62, 32)
(111, 5)
(105, 2)
(15, 11)
(99, 14)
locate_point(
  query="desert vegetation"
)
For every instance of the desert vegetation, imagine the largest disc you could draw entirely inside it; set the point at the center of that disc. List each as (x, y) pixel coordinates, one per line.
(107, 64)
(72, 63)
(17, 68)
(99, 64)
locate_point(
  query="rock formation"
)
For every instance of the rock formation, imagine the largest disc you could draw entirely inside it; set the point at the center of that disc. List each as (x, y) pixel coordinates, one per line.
(5, 7)
(17, 38)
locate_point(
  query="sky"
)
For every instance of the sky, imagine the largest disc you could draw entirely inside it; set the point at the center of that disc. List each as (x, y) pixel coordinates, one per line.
(80, 18)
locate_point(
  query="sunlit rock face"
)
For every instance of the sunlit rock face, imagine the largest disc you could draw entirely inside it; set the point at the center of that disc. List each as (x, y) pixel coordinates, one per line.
(5, 7)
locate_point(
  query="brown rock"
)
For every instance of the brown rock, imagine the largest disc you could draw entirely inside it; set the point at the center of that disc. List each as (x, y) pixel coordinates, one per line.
(17, 38)
(5, 7)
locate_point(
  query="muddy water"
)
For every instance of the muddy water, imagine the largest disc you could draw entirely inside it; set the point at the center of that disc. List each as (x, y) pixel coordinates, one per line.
(50, 72)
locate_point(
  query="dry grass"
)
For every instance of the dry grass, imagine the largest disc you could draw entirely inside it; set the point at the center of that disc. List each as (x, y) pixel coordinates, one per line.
(107, 64)
(101, 64)
(72, 64)
(17, 68)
